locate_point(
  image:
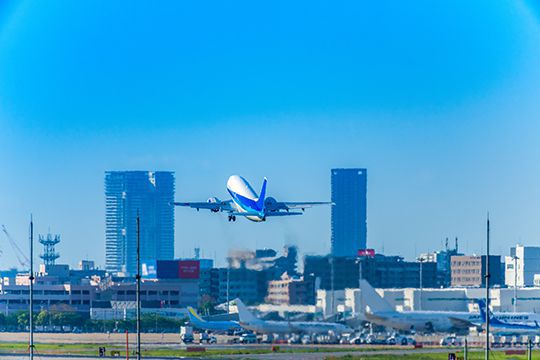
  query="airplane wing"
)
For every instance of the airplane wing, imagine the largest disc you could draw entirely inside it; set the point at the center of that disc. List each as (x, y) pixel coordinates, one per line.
(214, 206)
(283, 213)
(460, 323)
(280, 205)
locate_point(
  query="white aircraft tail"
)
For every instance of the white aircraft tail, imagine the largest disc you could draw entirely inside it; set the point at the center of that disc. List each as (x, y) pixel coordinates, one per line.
(372, 299)
(243, 313)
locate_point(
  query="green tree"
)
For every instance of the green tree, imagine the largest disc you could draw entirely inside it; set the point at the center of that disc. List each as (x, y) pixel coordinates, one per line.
(43, 318)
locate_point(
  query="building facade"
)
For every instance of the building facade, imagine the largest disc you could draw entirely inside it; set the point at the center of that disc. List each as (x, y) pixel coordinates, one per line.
(522, 265)
(149, 194)
(470, 270)
(349, 211)
(339, 273)
(291, 290)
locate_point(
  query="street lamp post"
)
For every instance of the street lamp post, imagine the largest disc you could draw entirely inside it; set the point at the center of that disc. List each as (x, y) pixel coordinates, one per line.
(515, 282)
(421, 261)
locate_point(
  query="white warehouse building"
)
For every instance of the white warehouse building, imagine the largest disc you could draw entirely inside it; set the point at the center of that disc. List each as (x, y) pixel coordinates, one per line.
(349, 301)
(521, 266)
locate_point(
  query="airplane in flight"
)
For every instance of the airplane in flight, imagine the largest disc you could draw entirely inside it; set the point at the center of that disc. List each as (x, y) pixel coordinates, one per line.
(507, 328)
(250, 322)
(221, 326)
(245, 202)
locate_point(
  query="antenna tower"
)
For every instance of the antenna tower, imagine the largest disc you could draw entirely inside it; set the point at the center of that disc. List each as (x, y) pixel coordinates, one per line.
(49, 255)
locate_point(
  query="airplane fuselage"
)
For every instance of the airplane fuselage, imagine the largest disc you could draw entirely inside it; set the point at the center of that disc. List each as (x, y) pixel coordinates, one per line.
(440, 321)
(285, 327)
(245, 198)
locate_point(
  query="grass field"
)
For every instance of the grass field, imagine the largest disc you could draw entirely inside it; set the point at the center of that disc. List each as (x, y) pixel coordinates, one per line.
(478, 355)
(91, 349)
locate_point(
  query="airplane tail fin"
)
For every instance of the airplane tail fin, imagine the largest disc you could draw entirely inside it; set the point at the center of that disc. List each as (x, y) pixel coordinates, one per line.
(492, 319)
(243, 313)
(194, 318)
(262, 195)
(372, 299)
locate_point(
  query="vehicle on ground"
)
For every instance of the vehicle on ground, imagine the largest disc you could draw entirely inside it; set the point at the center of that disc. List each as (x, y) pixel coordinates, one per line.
(248, 338)
(400, 340)
(207, 338)
(451, 340)
(186, 334)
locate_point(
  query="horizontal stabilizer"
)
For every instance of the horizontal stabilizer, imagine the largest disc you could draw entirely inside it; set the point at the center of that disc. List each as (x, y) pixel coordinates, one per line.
(283, 213)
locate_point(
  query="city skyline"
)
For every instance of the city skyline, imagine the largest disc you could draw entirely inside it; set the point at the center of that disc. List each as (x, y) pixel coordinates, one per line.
(438, 102)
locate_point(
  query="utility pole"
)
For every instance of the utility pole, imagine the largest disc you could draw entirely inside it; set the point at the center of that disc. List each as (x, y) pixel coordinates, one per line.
(487, 290)
(421, 260)
(515, 282)
(228, 278)
(332, 282)
(138, 292)
(31, 300)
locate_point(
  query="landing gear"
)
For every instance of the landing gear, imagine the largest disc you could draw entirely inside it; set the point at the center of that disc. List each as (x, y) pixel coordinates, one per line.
(232, 218)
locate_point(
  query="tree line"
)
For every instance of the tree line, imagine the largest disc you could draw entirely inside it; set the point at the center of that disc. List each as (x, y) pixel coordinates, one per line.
(74, 321)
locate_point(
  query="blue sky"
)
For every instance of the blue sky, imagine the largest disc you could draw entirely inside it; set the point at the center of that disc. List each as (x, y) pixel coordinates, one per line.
(438, 100)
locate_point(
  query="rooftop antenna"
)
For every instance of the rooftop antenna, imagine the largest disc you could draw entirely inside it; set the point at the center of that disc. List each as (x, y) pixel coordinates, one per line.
(457, 248)
(446, 244)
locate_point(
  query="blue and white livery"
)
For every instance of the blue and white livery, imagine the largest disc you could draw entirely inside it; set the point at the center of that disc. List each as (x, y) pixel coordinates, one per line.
(245, 202)
(508, 328)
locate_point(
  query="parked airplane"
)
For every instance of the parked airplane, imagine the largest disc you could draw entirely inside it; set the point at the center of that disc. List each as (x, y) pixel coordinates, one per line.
(507, 328)
(199, 323)
(245, 202)
(250, 322)
(380, 312)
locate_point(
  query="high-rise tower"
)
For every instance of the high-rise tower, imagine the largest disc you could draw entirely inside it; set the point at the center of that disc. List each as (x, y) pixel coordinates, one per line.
(349, 212)
(149, 193)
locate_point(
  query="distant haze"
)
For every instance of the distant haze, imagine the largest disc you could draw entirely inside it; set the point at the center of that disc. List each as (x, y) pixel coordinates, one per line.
(439, 101)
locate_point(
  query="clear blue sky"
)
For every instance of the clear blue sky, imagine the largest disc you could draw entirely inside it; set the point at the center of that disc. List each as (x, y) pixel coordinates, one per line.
(439, 100)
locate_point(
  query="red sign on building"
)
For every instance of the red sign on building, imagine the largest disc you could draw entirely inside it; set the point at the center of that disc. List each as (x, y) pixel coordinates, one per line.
(189, 269)
(366, 252)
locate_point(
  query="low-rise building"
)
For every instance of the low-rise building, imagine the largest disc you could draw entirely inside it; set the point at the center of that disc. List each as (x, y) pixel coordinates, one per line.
(470, 270)
(291, 290)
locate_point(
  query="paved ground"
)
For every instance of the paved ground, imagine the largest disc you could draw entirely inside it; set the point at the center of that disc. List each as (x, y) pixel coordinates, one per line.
(92, 338)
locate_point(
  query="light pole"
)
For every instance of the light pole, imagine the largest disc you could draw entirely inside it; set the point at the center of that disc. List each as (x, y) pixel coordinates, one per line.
(421, 261)
(515, 282)
(31, 291)
(138, 286)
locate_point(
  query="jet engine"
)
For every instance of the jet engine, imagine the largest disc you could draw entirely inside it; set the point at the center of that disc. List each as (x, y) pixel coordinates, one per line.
(270, 203)
(214, 200)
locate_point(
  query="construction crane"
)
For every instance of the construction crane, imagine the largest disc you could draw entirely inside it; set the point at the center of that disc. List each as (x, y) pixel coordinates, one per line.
(21, 257)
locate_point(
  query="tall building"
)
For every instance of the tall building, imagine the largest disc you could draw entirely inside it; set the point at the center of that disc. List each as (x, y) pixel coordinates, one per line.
(349, 212)
(150, 194)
